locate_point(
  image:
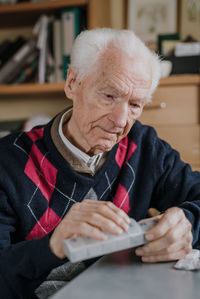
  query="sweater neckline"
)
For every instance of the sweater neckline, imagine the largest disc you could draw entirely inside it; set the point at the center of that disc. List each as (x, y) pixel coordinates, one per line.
(66, 168)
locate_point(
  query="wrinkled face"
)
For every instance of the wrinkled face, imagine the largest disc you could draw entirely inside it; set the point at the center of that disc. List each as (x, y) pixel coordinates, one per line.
(107, 102)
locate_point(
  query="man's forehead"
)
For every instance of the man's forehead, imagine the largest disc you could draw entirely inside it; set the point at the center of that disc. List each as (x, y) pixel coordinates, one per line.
(114, 60)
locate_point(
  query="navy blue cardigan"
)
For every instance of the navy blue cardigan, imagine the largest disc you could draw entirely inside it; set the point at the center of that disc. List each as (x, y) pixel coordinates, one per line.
(38, 187)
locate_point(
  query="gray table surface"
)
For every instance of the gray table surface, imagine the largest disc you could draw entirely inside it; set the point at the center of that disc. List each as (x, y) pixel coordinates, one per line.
(122, 275)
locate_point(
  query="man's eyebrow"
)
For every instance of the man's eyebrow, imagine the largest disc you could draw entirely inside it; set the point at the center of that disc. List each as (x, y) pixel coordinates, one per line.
(107, 86)
(137, 100)
(109, 90)
(141, 100)
(112, 89)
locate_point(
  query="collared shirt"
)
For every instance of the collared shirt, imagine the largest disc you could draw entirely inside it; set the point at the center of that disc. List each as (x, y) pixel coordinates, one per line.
(91, 162)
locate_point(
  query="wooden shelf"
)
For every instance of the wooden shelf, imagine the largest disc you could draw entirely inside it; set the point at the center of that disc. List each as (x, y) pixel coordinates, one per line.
(30, 11)
(47, 5)
(32, 88)
(186, 79)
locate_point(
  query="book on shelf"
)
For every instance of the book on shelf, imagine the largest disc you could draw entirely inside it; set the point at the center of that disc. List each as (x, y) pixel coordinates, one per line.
(11, 68)
(10, 48)
(41, 30)
(54, 37)
(29, 70)
(50, 67)
(3, 48)
(57, 50)
(70, 28)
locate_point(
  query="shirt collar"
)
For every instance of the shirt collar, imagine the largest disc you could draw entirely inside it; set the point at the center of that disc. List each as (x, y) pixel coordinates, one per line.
(91, 162)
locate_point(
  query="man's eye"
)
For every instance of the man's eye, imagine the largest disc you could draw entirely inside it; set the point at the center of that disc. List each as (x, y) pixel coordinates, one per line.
(135, 105)
(109, 96)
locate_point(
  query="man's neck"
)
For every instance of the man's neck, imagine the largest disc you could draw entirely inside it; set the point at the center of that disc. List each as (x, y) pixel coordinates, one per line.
(92, 162)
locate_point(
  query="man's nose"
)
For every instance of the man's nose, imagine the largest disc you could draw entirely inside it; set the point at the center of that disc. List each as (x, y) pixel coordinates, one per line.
(119, 115)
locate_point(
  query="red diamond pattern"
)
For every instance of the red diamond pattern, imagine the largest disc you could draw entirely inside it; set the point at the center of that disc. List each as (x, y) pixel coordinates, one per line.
(121, 198)
(121, 151)
(41, 172)
(36, 134)
(47, 223)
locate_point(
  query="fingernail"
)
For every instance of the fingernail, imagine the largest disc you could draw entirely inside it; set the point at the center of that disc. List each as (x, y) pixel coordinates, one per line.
(126, 226)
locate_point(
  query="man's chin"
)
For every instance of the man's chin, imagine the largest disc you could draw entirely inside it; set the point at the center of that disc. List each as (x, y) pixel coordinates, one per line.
(102, 148)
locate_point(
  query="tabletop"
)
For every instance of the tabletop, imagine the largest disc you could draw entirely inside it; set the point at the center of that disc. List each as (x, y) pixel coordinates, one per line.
(122, 275)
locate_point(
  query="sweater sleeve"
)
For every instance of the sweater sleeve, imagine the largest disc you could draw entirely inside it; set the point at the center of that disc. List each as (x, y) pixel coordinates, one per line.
(177, 185)
(23, 265)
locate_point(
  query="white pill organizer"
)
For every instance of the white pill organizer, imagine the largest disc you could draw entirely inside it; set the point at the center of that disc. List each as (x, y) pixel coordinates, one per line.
(82, 248)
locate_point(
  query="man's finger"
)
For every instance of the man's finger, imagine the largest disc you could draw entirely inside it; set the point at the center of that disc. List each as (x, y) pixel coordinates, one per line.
(82, 229)
(107, 210)
(103, 223)
(180, 233)
(167, 256)
(87, 230)
(146, 251)
(168, 220)
(153, 212)
(110, 206)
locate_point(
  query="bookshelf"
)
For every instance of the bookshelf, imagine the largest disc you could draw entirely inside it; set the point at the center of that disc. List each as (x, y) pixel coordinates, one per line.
(19, 18)
(32, 88)
(58, 87)
(26, 13)
(40, 6)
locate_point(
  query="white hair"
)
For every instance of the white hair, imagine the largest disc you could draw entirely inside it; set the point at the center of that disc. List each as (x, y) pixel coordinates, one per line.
(90, 44)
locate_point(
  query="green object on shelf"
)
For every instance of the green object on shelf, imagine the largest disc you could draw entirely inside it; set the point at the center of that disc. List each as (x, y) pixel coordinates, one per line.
(164, 37)
(70, 28)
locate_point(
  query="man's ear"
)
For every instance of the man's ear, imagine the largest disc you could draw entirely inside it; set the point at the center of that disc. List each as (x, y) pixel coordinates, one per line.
(71, 84)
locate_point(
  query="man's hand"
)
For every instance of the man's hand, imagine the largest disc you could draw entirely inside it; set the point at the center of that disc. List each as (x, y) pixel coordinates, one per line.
(170, 239)
(89, 218)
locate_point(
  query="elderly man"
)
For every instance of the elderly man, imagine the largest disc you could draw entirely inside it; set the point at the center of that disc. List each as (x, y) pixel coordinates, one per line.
(91, 168)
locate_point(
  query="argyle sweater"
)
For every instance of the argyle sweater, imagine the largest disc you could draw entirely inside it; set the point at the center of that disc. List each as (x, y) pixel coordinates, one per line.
(38, 187)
